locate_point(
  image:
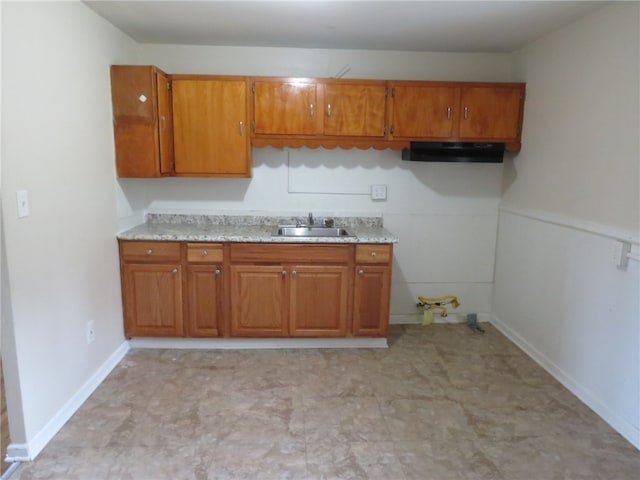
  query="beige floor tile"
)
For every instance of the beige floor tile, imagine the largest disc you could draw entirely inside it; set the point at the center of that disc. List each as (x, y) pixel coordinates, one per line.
(441, 403)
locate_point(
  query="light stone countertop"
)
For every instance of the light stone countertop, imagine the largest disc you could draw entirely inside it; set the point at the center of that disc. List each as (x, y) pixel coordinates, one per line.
(258, 229)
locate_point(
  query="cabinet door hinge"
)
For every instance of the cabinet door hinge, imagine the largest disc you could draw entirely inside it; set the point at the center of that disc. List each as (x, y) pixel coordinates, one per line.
(384, 130)
(386, 92)
(253, 87)
(253, 127)
(393, 92)
(169, 85)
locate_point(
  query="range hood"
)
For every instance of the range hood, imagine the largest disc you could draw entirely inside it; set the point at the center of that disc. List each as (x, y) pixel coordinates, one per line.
(454, 152)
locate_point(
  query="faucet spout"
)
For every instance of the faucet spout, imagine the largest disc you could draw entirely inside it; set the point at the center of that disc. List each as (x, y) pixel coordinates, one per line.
(310, 219)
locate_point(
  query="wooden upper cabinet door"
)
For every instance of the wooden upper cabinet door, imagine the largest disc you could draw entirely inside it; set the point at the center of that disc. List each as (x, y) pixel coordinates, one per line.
(354, 110)
(210, 127)
(165, 123)
(141, 121)
(491, 113)
(423, 111)
(287, 107)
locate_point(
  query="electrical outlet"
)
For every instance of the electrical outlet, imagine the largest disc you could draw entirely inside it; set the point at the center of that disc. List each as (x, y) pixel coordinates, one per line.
(378, 192)
(91, 331)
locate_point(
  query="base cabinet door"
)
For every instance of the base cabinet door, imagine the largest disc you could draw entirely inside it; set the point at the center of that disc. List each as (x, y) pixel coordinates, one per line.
(371, 300)
(258, 301)
(152, 300)
(318, 301)
(204, 286)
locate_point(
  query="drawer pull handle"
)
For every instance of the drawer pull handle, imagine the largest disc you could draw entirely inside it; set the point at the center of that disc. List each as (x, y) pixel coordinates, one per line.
(360, 272)
(204, 253)
(374, 254)
(218, 271)
(149, 252)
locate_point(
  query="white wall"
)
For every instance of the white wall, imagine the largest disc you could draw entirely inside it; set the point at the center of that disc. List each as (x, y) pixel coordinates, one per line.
(572, 190)
(62, 261)
(444, 215)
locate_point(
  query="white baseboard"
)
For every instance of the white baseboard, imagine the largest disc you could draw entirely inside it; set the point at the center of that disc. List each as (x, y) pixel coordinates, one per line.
(22, 452)
(257, 343)
(413, 319)
(627, 430)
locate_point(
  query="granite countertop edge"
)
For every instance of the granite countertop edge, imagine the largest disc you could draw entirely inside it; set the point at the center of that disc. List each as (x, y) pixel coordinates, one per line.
(256, 230)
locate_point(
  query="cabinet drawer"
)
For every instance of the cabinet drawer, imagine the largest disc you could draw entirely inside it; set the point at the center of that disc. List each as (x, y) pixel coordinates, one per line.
(370, 253)
(150, 251)
(204, 252)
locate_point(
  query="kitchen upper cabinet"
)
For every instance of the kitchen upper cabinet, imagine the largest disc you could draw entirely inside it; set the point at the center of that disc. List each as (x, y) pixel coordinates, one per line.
(286, 106)
(355, 109)
(142, 121)
(151, 289)
(491, 112)
(211, 136)
(448, 111)
(205, 289)
(423, 111)
(372, 290)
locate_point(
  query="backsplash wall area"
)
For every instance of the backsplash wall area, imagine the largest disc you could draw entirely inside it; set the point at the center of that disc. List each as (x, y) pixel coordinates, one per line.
(445, 215)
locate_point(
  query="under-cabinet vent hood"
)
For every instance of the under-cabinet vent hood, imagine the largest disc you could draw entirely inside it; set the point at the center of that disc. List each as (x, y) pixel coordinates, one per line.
(454, 152)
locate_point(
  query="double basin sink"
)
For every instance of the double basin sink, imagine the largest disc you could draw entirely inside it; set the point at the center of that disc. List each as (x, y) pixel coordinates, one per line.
(310, 231)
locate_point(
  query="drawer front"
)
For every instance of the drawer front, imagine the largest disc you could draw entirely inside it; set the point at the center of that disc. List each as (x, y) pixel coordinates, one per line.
(150, 251)
(290, 253)
(204, 252)
(373, 253)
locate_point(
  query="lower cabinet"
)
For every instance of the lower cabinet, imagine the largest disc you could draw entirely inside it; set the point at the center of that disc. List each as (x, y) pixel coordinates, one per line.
(205, 289)
(274, 294)
(152, 289)
(173, 289)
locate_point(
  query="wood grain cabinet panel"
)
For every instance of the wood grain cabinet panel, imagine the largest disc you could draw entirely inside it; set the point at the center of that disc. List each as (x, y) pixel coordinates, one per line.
(319, 300)
(152, 295)
(204, 306)
(354, 110)
(372, 290)
(491, 112)
(211, 135)
(285, 106)
(423, 111)
(450, 111)
(142, 121)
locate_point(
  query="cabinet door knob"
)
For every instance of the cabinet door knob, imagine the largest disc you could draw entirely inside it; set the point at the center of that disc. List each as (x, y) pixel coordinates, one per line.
(311, 109)
(466, 113)
(204, 253)
(294, 273)
(360, 272)
(328, 109)
(448, 113)
(374, 254)
(174, 271)
(218, 271)
(149, 252)
(284, 272)
(241, 129)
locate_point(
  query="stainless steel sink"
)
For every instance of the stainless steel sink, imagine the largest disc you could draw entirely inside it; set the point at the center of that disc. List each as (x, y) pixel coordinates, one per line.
(310, 231)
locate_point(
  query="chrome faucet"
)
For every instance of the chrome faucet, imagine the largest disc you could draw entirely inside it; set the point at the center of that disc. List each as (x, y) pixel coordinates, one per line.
(310, 218)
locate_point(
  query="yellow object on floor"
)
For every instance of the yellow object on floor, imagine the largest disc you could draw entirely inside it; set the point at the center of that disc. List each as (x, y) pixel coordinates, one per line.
(436, 303)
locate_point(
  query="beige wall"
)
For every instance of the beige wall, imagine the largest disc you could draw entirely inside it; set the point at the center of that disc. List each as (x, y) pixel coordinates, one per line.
(580, 155)
(61, 261)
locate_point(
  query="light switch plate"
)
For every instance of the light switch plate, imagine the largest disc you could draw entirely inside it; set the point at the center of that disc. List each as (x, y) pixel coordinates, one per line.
(378, 192)
(23, 203)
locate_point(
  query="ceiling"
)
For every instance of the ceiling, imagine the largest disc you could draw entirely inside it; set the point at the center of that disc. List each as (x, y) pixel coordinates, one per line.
(435, 26)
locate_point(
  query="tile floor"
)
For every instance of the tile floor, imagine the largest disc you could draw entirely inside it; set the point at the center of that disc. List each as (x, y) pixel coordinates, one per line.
(441, 403)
